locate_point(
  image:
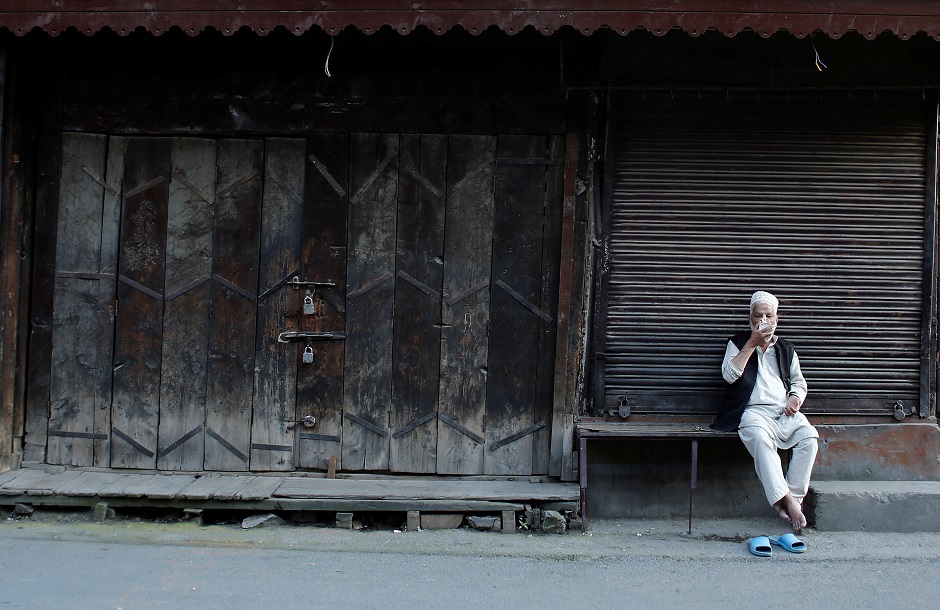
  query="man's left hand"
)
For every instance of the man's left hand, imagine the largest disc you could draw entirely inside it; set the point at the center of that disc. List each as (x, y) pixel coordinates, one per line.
(793, 406)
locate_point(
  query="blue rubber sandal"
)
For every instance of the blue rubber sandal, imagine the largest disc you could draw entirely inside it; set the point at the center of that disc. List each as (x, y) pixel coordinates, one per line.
(789, 542)
(760, 546)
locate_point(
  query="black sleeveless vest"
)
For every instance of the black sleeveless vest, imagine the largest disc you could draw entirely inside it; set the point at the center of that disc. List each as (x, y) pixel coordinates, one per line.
(738, 393)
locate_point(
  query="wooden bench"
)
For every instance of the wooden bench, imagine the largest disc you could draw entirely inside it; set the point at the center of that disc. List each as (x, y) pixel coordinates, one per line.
(630, 431)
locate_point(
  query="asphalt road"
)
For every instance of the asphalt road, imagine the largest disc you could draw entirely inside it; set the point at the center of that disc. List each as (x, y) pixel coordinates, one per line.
(61, 562)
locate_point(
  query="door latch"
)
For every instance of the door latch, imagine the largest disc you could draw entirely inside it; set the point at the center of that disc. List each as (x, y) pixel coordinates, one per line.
(298, 283)
(288, 336)
(308, 421)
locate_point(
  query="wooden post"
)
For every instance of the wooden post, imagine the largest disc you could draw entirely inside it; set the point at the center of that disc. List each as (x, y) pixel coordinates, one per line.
(414, 520)
(8, 296)
(559, 411)
(14, 263)
(509, 521)
(331, 469)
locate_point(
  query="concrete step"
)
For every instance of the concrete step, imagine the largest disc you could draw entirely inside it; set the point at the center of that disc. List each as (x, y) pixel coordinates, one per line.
(874, 506)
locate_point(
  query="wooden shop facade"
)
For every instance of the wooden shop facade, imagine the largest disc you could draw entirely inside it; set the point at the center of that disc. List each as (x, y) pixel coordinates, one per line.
(429, 238)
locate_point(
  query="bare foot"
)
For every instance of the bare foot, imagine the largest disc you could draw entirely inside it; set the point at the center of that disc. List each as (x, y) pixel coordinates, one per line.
(790, 510)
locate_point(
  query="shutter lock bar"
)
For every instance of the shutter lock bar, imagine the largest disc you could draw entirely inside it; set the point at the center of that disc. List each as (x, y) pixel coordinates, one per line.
(297, 283)
(287, 337)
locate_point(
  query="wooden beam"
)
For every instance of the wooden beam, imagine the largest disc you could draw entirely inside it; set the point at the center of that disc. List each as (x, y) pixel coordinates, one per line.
(287, 504)
(928, 345)
(904, 18)
(9, 286)
(18, 199)
(564, 306)
(583, 119)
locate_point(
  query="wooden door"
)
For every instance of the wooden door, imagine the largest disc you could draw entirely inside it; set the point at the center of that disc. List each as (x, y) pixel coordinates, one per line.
(373, 182)
(465, 304)
(429, 263)
(524, 290)
(323, 259)
(236, 231)
(83, 319)
(138, 343)
(453, 252)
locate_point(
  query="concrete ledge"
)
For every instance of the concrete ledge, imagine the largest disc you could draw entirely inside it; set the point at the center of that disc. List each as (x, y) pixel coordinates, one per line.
(907, 451)
(875, 506)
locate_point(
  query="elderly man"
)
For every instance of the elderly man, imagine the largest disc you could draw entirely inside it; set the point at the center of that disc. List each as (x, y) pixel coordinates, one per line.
(762, 401)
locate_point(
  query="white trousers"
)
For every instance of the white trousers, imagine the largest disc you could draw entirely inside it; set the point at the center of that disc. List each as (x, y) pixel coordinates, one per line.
(763, 448)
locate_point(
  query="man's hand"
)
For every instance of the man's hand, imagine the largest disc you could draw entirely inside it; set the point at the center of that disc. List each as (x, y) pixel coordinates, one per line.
(760, 338)
(793, 406)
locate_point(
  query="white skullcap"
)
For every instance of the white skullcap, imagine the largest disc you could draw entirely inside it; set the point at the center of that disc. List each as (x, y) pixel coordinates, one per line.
(764, 297)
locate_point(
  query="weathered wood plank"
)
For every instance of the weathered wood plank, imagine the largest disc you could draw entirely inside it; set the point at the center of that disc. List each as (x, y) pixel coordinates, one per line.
(131, 486)
(47, 485)
(203, 487)
(369, 300)
(75, 320)
(416, 350)
(186, 310)
(582, 279)
(76, 368)
(272, 433)
(514, 326)
(139, 330)
(167, 487)
(231, 487)
(560, 409)
(466, 303)
(260, 488)
(548, 302)
(17, 232)
(320, 384)
(146, 486)
(309, 487)
(13, 210)
(46, 154)
(9, 475)
(107, 289)
(7, 271)
(235, 251)
(19, 485)
(84, 163)
(72, 387)
(395, 505)
(90, 484)
(283, 504)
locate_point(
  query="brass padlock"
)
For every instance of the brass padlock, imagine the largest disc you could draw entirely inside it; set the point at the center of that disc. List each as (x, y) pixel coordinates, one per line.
(309, 307)
(308, 355)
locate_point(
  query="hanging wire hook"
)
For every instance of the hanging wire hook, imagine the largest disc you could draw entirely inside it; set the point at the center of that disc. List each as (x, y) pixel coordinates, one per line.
(819, 63)
(326, 65)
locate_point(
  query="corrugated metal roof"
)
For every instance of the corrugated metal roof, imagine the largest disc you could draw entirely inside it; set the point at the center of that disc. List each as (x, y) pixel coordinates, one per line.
(905, 18)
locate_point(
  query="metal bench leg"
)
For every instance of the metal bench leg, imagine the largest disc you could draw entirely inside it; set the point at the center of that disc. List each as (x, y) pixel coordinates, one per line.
(694, 479)
(582, 477)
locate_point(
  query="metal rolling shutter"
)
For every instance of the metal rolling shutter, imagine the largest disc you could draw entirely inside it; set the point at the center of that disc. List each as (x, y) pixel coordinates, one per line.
(819, 199)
